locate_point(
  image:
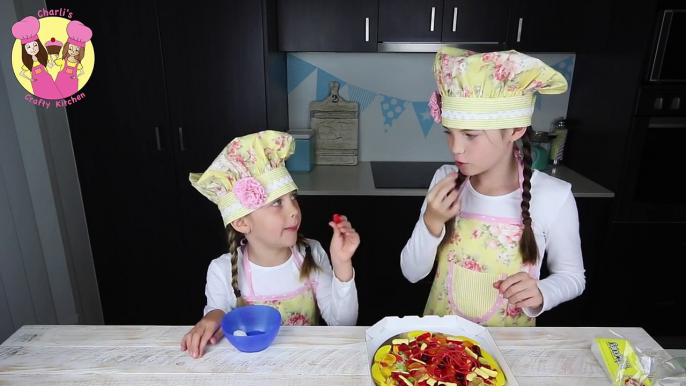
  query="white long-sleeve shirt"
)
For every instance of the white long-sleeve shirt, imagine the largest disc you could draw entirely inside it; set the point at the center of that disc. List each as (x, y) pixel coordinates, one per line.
(555, 223)
(337, 301)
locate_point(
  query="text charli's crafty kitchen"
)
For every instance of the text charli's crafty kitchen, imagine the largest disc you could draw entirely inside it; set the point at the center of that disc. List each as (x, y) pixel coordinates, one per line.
(63, 103)
(55, 12)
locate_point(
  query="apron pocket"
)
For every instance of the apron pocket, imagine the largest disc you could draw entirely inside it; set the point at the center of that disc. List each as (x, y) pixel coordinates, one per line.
(38, 71)
(471, 294)
(69, 71)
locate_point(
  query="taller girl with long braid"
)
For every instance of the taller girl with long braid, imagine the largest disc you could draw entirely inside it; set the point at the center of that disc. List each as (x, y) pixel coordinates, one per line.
(269, 261)
(489, 218)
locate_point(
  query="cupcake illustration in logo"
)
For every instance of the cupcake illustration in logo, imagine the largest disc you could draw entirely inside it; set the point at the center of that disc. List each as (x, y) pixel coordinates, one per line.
(53, 47)
(52, 58)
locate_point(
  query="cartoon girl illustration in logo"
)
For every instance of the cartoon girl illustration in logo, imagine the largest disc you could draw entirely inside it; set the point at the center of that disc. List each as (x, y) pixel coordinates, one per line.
(35, 58)
(72, 54)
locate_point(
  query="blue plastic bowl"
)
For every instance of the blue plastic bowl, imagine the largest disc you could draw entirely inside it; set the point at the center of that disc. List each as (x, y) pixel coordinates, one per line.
(260, 323)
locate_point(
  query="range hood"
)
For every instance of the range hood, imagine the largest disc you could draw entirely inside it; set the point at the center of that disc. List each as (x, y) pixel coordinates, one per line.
(434, 47)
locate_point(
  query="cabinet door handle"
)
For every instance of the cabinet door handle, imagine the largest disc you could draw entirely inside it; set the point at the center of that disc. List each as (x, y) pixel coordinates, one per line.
(676, 104)
(366, 30)
(454, 19)
(157, 138)
(433, 17)
(519, 30)
(183, 148)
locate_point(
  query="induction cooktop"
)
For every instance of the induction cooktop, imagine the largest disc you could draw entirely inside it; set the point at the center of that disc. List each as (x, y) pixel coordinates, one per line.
(404, 174)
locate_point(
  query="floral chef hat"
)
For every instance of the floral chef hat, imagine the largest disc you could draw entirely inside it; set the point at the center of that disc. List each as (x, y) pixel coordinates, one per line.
(494, 90)
(249, 173)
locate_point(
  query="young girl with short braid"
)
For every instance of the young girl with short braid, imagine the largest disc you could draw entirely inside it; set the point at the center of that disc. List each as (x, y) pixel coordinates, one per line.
(489, 219)
(269, 261)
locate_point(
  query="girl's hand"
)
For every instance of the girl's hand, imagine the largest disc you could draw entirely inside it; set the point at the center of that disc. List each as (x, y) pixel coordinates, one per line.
(521, 290)
(441, 204)
(344, 243)
(206, 330)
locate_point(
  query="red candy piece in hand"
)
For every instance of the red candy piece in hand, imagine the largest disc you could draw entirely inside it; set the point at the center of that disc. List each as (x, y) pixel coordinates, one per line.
(337, 218)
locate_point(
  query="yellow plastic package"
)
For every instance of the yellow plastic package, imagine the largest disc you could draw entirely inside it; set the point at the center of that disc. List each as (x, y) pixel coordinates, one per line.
(622, 363)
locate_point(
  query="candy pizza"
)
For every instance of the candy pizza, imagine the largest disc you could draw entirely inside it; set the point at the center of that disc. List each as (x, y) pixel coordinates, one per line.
(422, 358)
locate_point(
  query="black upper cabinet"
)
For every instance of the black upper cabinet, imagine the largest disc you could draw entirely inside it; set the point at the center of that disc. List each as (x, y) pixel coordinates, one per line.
(559, 26)
(200, 79)
(410, 20)
(469, 21)
(315, 25)
(209, 105)
(450, 21)
(535, 25)
(124, 156)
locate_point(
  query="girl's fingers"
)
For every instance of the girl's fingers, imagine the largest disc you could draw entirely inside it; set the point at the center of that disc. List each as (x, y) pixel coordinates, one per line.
(217, 336)
(206, 336)
(336, 229)
(195, 343)
(344, 225)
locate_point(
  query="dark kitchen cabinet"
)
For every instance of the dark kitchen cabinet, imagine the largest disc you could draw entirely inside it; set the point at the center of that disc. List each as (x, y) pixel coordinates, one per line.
(594, 218)
(313, 25)
(410, 20)
(451, 21)
(194, 80)
(469, 21)
(641, 284)
(559, 26)
(384, 230)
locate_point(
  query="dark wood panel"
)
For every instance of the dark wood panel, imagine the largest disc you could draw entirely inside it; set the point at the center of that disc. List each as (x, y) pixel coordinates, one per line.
(313, 25)
(483, 21)
(216, 90)
(600, 123)
(641, 284)
(410, 20)
(594, 217)
(559, 26)
(128, 184)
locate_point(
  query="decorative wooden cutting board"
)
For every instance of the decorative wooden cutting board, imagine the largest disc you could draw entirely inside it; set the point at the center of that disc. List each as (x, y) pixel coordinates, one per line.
(335, 122)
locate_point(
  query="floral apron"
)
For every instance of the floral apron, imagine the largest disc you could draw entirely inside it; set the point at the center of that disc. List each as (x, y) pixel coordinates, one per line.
(481, 251)
(297, 308)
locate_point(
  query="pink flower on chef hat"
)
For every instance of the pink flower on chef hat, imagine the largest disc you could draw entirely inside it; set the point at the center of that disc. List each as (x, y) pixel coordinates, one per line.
(250, 193)
(435, 106)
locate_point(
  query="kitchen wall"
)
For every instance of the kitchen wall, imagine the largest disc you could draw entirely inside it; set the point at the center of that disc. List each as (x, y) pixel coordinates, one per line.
(46, 267)
(393, 90)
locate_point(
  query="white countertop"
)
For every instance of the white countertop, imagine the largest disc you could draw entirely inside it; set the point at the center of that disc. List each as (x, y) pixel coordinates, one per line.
(304, 356)
(357, 180)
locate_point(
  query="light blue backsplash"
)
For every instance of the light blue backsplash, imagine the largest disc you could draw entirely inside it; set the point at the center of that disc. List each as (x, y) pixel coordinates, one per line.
(393, 90)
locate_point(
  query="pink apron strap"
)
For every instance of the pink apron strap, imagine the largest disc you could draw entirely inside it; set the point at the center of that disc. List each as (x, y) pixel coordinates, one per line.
(248, 271)
(299, 261)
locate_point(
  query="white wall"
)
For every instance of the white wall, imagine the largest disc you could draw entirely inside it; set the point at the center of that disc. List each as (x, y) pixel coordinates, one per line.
(46, 267)
(399, 85)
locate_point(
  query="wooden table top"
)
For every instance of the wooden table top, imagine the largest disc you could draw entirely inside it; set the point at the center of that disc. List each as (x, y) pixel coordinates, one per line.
(302, 356)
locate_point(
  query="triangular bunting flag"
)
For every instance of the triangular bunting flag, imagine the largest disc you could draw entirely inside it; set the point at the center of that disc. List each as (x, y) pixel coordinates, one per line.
(323, 79)
(391, 108)
(565, 67)
(363, 96)
(539, 102)
(426, 121)
(297, 71)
